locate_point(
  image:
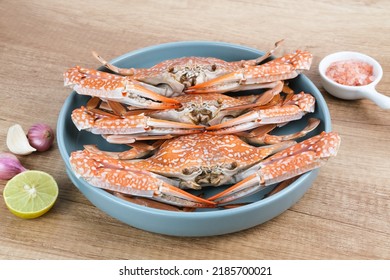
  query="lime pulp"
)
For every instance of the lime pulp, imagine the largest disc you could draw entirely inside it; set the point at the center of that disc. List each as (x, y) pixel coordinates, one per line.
(30, 194)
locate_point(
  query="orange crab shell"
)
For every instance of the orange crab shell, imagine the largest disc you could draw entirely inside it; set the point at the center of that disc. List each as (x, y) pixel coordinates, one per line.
(206, 159)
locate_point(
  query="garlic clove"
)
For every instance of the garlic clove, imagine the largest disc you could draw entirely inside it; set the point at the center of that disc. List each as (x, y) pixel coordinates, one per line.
(17, 141)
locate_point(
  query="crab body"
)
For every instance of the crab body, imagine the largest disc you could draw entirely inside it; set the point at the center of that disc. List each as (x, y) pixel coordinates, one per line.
(204, 109)
(182, 73)
(206, 160)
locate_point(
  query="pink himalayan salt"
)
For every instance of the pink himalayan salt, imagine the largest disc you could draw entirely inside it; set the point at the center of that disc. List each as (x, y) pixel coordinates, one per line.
(350, 72)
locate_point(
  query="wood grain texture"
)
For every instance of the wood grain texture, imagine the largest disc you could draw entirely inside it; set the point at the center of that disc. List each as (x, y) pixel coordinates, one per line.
(344, 215)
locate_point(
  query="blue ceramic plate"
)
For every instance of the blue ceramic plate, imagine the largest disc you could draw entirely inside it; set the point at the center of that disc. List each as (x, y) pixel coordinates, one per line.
(201, 222)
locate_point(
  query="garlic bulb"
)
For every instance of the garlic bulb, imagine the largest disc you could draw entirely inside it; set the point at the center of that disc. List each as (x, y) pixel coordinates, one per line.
(17, 141)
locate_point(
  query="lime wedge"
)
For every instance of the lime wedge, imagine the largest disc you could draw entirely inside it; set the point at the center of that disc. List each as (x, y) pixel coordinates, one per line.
(30, 194)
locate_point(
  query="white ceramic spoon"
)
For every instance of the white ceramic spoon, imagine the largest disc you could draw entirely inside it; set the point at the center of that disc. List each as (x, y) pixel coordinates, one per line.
(354, 92)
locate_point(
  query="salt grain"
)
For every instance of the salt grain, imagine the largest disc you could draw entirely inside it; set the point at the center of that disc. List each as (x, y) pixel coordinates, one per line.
(350, 72)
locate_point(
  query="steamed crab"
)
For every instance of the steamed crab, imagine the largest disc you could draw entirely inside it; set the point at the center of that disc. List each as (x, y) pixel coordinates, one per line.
(153, 88)
(201, 160)
(214, 112)
(174, 76)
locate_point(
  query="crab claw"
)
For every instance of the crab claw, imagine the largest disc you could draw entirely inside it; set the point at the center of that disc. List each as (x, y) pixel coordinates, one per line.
(116, 88)
(296, 160)
(293, 109)
(259, 76)
(112, 175)
(134, 124)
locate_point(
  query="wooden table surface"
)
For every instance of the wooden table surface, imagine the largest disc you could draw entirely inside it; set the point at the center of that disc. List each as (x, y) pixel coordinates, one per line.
(344, 215)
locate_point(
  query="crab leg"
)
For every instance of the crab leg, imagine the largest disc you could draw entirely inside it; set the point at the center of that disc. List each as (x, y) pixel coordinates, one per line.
(259, 76)
(105, 174)
(138, 150)
(296, 160)
(132, 138)
(294, 109)
(135, 124)
(116, 88)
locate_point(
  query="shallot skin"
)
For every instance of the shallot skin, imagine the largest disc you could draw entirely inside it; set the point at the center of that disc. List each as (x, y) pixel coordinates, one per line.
(9, 166)
(41, 137)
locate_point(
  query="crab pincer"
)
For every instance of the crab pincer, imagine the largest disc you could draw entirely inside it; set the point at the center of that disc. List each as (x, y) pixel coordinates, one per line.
(118, 176)
(296, 160)
(293, 109)
(117, 88)
(96, 123)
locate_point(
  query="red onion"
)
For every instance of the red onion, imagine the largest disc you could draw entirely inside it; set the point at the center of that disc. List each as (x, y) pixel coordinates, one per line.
(40, 136)
(9, 166)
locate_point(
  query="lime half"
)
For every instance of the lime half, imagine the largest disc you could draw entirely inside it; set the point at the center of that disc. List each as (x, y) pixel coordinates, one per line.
(30, 194)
